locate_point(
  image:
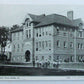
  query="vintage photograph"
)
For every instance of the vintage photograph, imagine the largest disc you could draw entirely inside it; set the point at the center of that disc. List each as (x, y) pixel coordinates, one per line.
(41, 40)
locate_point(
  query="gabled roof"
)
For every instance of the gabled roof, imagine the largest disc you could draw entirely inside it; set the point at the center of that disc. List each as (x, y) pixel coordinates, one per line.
(37, 18)
(55, 18)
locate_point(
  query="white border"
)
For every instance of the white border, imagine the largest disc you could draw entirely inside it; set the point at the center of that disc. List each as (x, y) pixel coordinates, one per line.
(38, 2)
(42, 78)
(65, 2)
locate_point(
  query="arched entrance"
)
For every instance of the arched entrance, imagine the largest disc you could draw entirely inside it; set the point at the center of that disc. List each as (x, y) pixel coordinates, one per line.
(27, 56)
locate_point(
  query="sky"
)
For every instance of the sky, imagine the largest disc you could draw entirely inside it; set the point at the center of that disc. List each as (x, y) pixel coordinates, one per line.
(13, 12)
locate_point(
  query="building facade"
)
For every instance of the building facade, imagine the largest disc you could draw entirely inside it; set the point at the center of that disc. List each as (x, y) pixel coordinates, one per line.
(45, 40)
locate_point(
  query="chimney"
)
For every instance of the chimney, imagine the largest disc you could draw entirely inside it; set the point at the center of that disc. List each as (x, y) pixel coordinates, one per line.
(70, 15)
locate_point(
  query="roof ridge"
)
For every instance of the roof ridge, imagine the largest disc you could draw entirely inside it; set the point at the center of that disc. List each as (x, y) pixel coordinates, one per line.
(36, 15)
(57, 14)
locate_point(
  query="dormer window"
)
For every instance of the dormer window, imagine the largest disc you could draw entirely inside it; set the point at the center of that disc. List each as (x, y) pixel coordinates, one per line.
(27, 24)
(27, 21)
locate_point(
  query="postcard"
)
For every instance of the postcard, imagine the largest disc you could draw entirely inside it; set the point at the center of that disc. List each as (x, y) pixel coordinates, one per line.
(41, 40)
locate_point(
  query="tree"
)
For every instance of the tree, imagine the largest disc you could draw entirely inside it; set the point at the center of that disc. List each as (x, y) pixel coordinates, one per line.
(14, 27)
(3, 38)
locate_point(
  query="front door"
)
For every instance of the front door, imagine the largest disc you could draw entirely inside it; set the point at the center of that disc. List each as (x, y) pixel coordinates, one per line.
(27, 56)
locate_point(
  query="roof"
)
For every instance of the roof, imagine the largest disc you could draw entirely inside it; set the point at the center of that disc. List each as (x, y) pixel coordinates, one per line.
(37, 18)
(77, 21)
(44, 20)
(17, 29)
(55, 18)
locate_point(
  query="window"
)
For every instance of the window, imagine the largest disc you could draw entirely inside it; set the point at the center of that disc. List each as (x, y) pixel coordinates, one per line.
(36, 32)
(9, 46)
(65, 44)
(39, 44)
(57, 58)
(36, 58)
(80, 58)
(49, 57)
(80, 34)
(46, 43)
(46, 33)
(58, 43)
(49, 43)
(43, 31)
(27, 34)
(14, 47)
(64, 29)
(27, 24)
(18, 35)
(64, 34)
(36, 46)
(81, 24)
(71, 58)
(39, 32)
(71, 45)
(43, 44)
(70, 30)
(22, 34)
(42, 57)
(81, 46)
(71, 34)
(14, 36)
(78, 45)
(18, 48)
(57, 30)
(22, 47)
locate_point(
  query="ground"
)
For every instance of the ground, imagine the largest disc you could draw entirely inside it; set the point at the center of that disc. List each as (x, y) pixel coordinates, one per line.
(10, 70)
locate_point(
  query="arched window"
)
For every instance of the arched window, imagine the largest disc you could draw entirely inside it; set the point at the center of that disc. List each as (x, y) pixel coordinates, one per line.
(27, 21)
